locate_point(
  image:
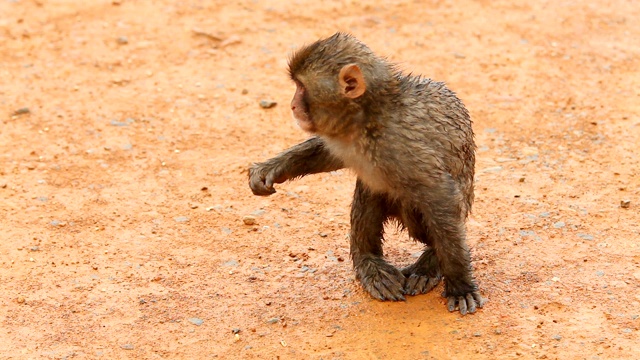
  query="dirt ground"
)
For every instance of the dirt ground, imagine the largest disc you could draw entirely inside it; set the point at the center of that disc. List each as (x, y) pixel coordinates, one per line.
(123, 186)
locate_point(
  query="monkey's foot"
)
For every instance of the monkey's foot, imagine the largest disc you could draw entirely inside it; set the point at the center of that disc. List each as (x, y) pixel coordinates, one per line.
(466, 303)
(422, 276)
(420, 284)
(380, 279)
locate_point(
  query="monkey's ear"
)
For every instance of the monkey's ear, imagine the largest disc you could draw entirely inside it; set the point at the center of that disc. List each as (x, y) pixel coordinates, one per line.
(351, 81)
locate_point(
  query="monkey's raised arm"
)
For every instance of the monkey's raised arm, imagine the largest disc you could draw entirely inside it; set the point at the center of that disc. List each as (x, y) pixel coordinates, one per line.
(308, 157)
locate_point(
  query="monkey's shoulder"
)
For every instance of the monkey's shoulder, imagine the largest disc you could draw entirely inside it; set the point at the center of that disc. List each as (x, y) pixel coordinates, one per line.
(419, 90)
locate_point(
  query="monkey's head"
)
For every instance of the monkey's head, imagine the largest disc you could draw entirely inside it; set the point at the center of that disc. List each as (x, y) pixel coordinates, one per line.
(335, 80)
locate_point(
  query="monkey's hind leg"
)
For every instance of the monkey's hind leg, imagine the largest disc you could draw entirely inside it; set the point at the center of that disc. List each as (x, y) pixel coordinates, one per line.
(444, 222)
(423, 275)
(369, 212)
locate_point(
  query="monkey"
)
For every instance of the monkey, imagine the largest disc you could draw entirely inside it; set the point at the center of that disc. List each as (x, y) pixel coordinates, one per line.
(410, 142)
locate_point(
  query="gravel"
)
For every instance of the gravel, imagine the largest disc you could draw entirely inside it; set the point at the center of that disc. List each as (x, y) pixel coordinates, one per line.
(22, 111)
(196, 321)
(249, 220)
(267, 104)
(585, 236)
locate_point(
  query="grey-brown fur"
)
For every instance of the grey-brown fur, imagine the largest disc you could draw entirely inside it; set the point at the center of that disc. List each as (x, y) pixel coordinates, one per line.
(410, 142)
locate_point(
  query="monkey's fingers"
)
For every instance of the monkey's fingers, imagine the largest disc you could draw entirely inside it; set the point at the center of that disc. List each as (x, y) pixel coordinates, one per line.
(389, 291)
(451, 303)
(420, 284)
(480, 301)
(468, 303)
(259, 183)
(258, 187)
(462, 305)
(433, 282)
(414, 284)
(471, 303)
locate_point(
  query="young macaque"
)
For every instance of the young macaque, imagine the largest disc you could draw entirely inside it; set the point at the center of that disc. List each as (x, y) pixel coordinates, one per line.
(409, 141)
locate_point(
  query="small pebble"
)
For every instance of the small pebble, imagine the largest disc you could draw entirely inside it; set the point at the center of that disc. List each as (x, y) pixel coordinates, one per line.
(22, 111)
(477, 334)
(249, 220)
(196, 321)
(274, 320)
(559, 224)
(585, 236)
(493, 169)
(625, 204)
(117, 123)
(122, 40)
(181, 219)
(127, 346)
(20, 300)
(267, 104)
(556, 337)
(235, 331)
(230, 263)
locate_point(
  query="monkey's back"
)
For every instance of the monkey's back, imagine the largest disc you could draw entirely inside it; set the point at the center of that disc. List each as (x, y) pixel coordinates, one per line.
(438, 127)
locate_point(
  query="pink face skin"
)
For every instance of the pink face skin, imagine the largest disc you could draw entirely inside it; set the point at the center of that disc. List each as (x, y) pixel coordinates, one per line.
(300, 110)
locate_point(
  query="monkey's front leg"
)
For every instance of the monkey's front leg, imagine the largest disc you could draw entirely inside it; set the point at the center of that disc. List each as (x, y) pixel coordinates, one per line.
(369, 211)
(308, 157)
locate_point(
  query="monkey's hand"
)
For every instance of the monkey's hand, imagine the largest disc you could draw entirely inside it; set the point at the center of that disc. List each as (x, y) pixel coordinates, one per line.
(262, 176)
(380, 279)
(467, 303)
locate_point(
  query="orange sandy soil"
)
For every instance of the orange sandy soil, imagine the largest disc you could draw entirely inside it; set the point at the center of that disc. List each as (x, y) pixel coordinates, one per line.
(123, 189)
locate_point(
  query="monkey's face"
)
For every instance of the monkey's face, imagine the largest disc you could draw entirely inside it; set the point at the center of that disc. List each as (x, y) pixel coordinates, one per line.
(300, 109)
(327, 105)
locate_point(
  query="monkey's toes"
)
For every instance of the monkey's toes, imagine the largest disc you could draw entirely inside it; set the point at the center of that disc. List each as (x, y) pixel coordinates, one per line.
(420, 284)
(467, 303)
(381, 280)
